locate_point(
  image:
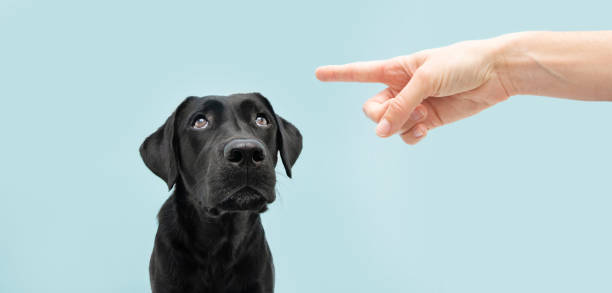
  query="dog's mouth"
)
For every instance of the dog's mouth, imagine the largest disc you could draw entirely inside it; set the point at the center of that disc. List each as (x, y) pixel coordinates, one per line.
(245, 199)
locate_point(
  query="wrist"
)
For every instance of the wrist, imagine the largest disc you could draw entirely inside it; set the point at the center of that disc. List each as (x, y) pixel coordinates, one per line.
(511, 62)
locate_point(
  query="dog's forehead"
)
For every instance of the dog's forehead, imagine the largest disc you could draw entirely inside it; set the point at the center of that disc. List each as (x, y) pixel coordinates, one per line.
(233, 101)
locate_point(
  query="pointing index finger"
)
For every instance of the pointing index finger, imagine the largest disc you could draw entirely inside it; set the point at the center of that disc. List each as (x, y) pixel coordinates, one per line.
(369, 71)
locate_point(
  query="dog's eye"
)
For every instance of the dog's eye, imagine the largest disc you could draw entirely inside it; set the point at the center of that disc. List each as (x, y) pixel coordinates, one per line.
(261, 120)
(200, 122)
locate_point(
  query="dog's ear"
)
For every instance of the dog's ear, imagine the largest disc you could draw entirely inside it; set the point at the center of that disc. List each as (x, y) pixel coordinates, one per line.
(289, 138)
(157, 152)
(289, 141)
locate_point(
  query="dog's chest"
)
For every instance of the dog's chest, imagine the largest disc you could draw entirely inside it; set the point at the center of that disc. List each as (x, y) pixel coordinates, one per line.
(220, 278)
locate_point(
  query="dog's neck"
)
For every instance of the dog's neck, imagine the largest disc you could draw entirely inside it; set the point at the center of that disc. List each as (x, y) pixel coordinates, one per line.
(205, 235)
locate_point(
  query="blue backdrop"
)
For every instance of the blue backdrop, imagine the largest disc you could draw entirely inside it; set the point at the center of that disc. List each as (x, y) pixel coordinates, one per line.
(516, 199)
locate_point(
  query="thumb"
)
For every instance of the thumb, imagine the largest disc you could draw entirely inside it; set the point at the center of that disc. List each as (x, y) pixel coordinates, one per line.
(400, 107)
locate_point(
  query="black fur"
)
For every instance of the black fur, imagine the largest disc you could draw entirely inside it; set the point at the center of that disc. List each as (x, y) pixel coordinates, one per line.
(210, 237)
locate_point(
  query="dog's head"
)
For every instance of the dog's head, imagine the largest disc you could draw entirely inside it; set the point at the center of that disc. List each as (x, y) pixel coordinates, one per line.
(222, 150)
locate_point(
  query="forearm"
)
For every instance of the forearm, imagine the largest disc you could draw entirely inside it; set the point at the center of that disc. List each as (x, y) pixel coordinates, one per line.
(573, 65)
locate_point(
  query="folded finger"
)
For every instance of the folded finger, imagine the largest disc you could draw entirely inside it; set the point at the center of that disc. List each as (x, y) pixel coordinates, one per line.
(418, 115)
(375, 107)
(400, 108)
(414, 134)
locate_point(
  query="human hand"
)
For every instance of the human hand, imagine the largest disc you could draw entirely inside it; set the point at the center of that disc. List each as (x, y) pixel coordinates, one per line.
(428, 89)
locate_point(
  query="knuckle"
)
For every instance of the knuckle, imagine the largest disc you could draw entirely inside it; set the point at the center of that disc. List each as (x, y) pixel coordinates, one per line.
(370, 111)
(350, 71)
(366, 109)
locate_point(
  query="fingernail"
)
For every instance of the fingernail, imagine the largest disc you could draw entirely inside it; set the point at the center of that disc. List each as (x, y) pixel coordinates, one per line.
(418, 132)
(383, 127)
(416, 115)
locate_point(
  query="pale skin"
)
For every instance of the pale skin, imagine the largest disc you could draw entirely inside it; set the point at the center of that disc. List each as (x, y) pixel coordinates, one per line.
(439, 86)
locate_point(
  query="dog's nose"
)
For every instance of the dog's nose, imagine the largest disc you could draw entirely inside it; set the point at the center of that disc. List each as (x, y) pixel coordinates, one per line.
(244, 151)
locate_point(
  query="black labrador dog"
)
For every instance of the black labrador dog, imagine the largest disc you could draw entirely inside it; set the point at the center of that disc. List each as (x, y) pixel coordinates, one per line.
(219, 153)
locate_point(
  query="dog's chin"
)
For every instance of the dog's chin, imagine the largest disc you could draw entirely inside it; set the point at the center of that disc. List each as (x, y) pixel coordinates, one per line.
(244, 199)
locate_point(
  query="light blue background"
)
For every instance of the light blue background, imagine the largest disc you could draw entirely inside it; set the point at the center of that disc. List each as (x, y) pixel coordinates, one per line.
(516, 199)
